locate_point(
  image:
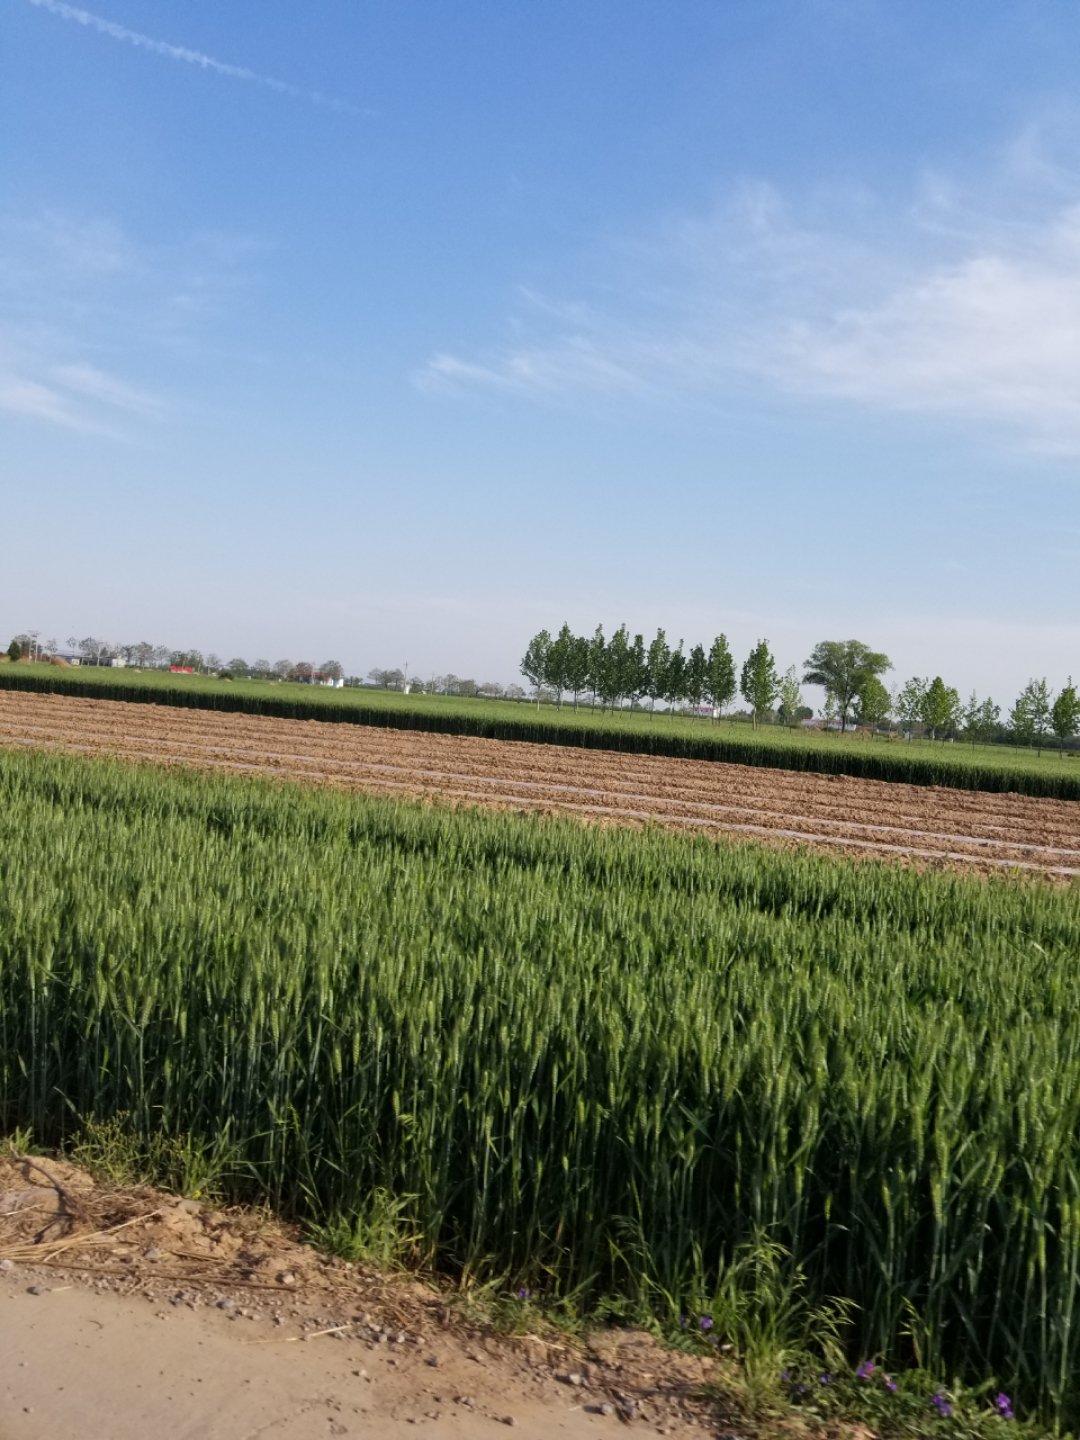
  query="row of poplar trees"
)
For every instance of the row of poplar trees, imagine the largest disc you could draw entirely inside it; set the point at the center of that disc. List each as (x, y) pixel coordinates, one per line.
(625, 669)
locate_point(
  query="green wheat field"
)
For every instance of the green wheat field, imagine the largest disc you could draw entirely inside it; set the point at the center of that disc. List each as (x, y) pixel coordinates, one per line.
(591, 1062)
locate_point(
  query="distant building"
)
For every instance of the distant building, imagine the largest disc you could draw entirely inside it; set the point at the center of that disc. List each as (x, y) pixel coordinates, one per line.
(181, 669)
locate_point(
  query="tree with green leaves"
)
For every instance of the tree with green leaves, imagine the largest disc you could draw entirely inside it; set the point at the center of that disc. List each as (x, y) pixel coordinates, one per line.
(1065, 714)
(617, 677)
(842, 667)
(576, 670)
(791, 701)
(534, 661)
(1030, 717)
(637, 665)
(675, 680)
(696, 672)
(598, 664)
(14, 651)
(759, 682)
(720, 675)
(873, 703)
(909, 703)
(558, 662)
(980, 720)
(657, 663)
(941, 711)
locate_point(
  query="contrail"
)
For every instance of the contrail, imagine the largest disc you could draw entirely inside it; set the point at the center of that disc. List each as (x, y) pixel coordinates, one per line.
(189, 57)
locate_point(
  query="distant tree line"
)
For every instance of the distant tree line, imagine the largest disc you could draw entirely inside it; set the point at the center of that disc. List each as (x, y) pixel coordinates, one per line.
(625, 670)
(91, 650)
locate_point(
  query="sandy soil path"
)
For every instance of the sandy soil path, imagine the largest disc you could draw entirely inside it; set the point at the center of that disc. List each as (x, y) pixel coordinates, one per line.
(932, 826)
(77, 1363)
(129, 1313)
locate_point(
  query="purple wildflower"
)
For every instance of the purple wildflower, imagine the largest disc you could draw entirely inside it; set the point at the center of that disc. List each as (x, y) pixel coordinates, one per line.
(705, 1322)
(942, 1406)
(825, 1379)
(1003, 1405)
(785, 1376)
(890, 1385)
(865, 1370)
(524, 1294)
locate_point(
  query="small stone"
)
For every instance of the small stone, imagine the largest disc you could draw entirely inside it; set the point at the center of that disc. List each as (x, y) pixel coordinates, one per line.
(575, 1379)
(6, 1265)
(433, 1361)
(286, 1278)
(153, 1255)
(508, 1420)
(226, 1304)
(37, 1290)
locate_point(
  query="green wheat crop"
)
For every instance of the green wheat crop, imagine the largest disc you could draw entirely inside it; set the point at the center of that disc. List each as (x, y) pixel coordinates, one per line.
(582, 1058)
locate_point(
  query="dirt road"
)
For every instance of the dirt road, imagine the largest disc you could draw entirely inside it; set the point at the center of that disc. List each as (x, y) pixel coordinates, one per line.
(129, 1313)
(930, 826)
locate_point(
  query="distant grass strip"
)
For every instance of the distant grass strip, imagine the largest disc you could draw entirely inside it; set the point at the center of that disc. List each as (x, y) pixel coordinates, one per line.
(986, 767)
(595, 1062)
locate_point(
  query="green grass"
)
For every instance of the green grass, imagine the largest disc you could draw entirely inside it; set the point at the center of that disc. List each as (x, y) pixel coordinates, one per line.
(981, 767)
(602, 1063)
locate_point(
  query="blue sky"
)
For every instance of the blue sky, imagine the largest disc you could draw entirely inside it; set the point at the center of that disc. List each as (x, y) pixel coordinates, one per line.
(394, 331)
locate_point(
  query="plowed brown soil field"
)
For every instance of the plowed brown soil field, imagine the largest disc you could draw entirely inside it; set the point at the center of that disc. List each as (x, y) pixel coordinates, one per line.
(921, 825)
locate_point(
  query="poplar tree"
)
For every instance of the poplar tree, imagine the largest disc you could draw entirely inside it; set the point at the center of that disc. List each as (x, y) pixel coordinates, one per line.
(638, 670)
(657, 662)
(558, 662)
(617, 677)
(534, 661)
(598, 664)
(759, 681)
(675, 680)
(790, 698)
(720, 674)
(577, 666)
(1030, 717)
(981, 719)
(909, 704)
(872, 703)
(696, 675)
(1065, 714)
(941, 710)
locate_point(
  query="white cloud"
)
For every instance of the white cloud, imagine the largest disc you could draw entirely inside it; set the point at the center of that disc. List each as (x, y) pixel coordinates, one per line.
(945, 305)
(88, 311)
(96, 385)
(31, 400)
(188, 56)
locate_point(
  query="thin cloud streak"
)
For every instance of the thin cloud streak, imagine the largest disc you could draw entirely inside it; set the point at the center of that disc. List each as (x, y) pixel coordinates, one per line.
(97, 385)
(190, 57)
(31, 400)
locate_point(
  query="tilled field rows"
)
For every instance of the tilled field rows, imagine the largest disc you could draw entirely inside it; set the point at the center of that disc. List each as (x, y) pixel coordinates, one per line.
(936, 826)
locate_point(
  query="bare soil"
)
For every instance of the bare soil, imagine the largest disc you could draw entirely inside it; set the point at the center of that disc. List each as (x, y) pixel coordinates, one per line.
(927, 826)
(127, 1313)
